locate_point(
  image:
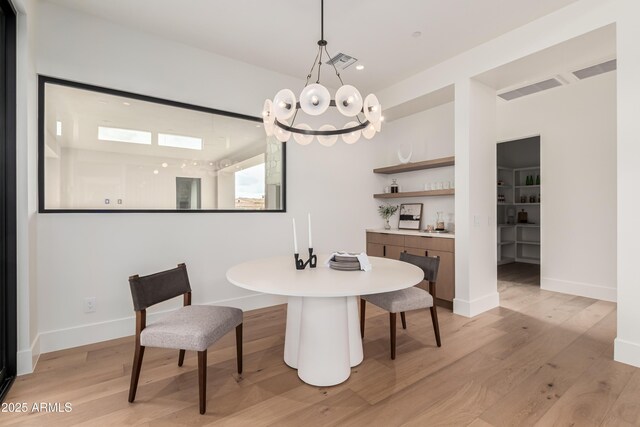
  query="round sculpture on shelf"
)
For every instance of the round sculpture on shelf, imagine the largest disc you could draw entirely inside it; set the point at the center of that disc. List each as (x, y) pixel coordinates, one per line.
(314, 100)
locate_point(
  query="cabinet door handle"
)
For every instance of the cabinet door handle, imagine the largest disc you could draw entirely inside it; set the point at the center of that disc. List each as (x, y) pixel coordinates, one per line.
(426, 253)
(384, 250)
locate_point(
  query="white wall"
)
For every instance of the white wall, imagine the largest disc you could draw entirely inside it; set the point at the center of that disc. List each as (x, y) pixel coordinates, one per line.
(82, 255)
(577, 127)
(627, 345)
(27, 146)
(429, 135)
(475, 136)
(574, 20)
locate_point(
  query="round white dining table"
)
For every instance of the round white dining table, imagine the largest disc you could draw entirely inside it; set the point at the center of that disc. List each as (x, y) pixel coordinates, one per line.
(322, 337)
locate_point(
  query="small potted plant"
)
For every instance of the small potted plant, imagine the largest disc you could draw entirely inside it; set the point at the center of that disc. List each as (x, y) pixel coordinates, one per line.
(386, 212)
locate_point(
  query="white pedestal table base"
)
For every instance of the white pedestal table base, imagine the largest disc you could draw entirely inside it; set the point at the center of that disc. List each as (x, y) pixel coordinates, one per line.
(322, 339)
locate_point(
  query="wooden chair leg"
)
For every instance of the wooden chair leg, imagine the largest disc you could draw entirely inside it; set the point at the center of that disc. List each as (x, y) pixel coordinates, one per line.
(404, 320)
(436, 328)
(135, 372)
(239, 347)
(181, 358)
(363, 306)
(392, 330)
(202, 379)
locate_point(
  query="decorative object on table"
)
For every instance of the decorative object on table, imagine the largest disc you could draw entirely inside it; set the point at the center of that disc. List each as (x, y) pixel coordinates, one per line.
(537, 179)
(300, 264)
(523, 217)
(440, 221)
(386, 212)
(395, 188)
(410, 216)
(315, 100)
(387, 189)
(429, 228)
(345, 261)
(523, 199)
(500, 183)
(405, 151)
(532, 198)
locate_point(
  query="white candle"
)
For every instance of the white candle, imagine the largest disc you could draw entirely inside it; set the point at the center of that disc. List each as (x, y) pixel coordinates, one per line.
(295, 238)
(310, 241)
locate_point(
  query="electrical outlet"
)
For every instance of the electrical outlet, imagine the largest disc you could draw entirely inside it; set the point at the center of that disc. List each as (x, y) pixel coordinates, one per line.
(90, 305)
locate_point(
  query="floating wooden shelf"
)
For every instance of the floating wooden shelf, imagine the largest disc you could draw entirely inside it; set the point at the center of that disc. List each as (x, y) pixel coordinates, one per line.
(409, 167)
(449, 192)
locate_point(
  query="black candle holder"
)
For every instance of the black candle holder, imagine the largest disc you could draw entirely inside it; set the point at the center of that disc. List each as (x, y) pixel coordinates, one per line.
(312, 262)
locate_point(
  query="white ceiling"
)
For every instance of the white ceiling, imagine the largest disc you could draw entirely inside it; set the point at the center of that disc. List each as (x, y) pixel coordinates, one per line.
(281, 35)
(562, 59)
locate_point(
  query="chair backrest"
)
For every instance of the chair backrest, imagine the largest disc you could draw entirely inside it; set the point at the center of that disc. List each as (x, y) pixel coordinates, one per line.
(428, 264)
(154, 288)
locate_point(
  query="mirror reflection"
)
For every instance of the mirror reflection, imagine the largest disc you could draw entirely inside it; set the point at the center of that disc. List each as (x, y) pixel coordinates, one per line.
(111, 152)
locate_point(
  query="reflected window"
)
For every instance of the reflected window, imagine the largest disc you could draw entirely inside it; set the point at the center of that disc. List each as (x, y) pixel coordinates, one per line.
(104, 150)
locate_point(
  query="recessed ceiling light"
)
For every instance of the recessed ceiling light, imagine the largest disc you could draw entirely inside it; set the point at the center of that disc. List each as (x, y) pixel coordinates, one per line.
(58, 128)
(165, 164)
(210, 163)
(195, 163)
(258, 126)
(360, 67)
(416, 34)
(126, 103)
(156, 172)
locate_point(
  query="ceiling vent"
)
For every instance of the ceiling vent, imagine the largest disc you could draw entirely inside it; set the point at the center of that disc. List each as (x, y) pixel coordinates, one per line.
(531, 89)
(594, 70)
(342, 61)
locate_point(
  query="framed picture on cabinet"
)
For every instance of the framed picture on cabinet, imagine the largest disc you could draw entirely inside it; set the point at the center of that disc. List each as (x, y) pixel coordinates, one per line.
(410, 216)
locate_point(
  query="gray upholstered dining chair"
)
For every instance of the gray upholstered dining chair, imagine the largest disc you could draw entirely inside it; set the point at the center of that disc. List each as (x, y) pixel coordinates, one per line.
(191, 327)
(409, 299)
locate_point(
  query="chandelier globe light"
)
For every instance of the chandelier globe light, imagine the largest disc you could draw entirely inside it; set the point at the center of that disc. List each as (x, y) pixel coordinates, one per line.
(279, 116)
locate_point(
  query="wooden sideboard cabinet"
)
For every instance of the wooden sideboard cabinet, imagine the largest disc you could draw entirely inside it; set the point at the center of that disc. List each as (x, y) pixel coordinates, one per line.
(389, 245)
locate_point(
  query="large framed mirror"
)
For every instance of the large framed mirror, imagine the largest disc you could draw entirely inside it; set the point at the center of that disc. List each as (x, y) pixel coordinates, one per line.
(103, 150)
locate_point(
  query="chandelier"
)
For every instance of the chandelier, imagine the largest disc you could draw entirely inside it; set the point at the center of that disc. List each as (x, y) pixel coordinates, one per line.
(279, 116)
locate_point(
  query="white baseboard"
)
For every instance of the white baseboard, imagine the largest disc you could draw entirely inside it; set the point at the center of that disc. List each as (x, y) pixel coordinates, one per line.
(580, 289)
(61, 339)
(626, 352)
(27, 359)
(477, 306)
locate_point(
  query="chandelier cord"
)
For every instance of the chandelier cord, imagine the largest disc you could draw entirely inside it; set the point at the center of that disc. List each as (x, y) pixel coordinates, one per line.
(321, 19)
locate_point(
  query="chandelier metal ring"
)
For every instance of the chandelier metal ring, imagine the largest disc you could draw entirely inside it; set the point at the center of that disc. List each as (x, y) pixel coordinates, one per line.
(322, 132)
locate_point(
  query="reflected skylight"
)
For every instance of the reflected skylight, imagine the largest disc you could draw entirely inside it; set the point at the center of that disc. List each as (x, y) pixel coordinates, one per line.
(179, 141)
(124, 135)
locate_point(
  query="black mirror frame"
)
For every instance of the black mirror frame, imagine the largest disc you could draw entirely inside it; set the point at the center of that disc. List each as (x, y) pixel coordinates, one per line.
(43, 80)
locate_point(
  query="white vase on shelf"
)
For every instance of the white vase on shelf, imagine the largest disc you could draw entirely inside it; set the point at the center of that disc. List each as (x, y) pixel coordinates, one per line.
(405, 151)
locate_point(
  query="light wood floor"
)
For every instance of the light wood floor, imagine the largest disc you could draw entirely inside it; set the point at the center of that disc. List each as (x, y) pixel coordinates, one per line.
(540, 359)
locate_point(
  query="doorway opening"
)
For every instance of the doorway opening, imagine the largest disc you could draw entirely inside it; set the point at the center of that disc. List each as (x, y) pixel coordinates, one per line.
(519, 199)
